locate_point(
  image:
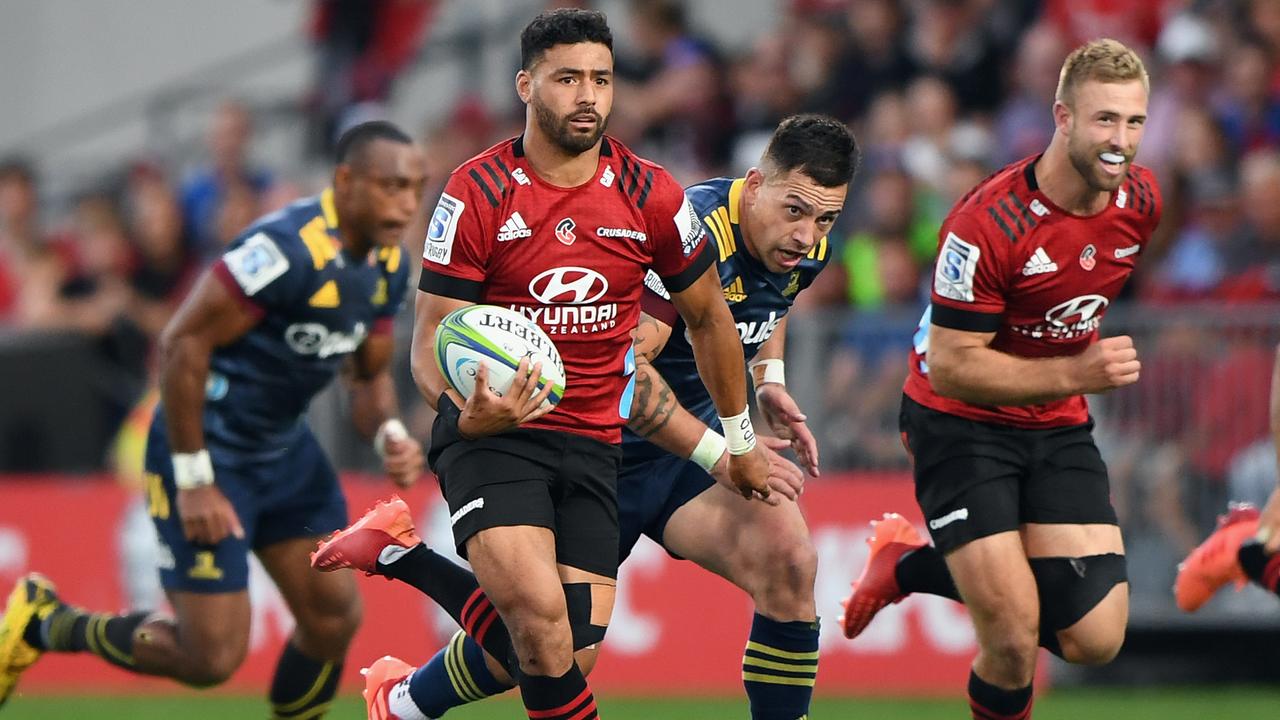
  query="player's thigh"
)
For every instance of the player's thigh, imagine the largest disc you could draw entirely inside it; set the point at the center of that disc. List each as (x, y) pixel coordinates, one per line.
(650, 490)
(505, 480)
(999, 590)
(587, 533)
(516, 566)
(740, 540)
(185, 566)
(1066, 499)
(967, 474)
(326, 606)
(212, 632)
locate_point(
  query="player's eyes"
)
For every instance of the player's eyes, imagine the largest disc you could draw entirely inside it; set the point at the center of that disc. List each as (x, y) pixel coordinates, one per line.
(794, 211)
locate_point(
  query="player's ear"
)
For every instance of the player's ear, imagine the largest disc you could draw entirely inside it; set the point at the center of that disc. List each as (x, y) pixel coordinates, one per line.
(341, 178)
(752, 183)
(1061, 116)
(524, 85)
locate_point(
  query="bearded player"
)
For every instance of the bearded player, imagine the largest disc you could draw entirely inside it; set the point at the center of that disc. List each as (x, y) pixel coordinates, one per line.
(561, 224)
(1007, 474)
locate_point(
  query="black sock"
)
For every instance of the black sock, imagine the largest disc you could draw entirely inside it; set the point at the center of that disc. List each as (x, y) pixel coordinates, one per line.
(1261, 567)
(303, 687)
(558, 698)
(989, 702)
(456, 590)
(70, 629)
(924, 570)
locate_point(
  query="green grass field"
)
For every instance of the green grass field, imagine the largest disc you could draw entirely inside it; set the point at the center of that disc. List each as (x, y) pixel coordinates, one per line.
(1172, 704)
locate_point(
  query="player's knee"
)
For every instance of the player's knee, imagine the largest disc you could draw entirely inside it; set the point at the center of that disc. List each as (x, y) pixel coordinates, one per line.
(1091, 648)
(331, 623)
(784, 580)
(1014, 653)
(539, 628)
(214, 665)
(1070, 591)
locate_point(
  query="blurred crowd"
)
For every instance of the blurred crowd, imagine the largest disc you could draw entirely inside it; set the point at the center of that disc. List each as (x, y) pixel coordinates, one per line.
(939, 92)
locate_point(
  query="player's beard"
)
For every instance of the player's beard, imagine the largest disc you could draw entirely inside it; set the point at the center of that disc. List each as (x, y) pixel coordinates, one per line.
(560, 132)
(1085, 161)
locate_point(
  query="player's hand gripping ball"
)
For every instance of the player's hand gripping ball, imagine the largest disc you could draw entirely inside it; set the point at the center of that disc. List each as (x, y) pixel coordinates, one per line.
(499, 338)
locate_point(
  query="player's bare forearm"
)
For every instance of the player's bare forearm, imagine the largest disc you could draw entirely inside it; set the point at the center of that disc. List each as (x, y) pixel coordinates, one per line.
(184, 369)
(716, 345)
(373, 392)
(650, 337)
(429, 311)
(657, 415)
(965, 369)
(209, 317)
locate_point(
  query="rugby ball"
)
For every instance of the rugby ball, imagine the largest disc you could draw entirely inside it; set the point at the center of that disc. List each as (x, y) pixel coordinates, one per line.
(499, 338)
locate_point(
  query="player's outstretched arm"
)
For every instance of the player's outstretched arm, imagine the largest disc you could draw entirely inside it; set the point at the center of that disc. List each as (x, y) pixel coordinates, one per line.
(374, 409)
(781, 410)
(718, 351)
(962, 365)
(658, 416)
(210, 317)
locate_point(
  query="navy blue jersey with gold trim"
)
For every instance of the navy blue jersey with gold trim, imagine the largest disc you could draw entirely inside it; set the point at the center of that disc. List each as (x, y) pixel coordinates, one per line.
(315, 305)
(758, 299)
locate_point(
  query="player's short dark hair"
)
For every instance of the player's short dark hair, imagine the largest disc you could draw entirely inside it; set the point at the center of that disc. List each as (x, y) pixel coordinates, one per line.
(819, 146)
(353, 142)
(564, 26)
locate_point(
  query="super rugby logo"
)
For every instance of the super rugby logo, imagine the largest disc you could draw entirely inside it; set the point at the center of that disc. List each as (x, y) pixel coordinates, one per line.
(567, 296)
(564, 231)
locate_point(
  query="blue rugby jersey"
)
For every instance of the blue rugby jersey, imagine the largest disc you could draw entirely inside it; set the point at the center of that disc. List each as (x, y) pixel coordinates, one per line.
(316, 305)
(758, 299)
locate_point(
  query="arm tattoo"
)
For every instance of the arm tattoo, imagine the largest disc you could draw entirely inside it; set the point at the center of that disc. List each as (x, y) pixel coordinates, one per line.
(655, 403)
(646, 332)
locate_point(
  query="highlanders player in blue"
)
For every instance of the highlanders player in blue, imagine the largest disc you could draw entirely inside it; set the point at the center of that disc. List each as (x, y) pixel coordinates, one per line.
(232, 466)
(770, 229)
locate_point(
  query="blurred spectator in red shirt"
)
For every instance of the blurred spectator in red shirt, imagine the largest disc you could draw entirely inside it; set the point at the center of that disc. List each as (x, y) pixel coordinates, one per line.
(363, 46)
(28, 270)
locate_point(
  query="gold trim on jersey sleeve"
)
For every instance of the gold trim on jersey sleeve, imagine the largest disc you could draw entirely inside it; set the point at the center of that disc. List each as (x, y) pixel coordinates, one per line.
(735, 197)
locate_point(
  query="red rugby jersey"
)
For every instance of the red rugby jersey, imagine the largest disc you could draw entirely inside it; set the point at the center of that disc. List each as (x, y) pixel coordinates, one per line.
(1013, 263)
(572, 259)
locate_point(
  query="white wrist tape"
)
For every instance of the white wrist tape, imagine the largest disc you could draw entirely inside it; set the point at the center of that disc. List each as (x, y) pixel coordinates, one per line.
(192, 470)
(391, 429)
(709, 450)
(738, 433)
(773, 372)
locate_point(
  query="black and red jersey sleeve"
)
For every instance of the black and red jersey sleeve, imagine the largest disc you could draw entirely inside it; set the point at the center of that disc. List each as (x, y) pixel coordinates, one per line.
(459, 241)
(1147, 199)
(681, 252)
(971, 277)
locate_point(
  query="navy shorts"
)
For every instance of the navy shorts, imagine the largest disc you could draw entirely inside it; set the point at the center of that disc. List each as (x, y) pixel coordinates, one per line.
(975, 479)
(649, 492)
(291, 495)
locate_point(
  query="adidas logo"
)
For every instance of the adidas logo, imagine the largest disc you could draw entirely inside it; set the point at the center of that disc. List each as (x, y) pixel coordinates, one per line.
(513, 229)
(1039, 263)
(733, 292)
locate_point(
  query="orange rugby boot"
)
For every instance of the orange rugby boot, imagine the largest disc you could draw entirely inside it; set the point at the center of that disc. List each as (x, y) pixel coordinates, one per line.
(1214, 562)
(388, 523)
(379, 678)
(890, 538)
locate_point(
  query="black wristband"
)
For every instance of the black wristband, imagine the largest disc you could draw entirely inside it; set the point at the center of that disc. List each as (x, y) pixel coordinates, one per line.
(444, 432)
